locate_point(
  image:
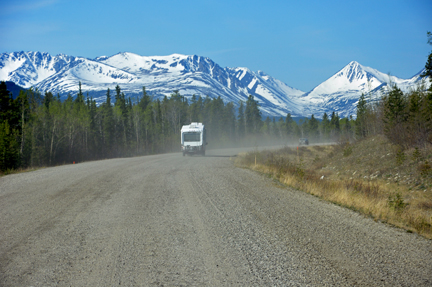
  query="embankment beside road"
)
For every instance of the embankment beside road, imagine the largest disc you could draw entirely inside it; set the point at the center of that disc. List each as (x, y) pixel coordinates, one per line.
(372, 177)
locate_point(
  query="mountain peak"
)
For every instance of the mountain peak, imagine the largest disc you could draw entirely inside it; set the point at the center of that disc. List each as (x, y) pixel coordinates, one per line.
(191, 75)
(353, 71)
(354, 63)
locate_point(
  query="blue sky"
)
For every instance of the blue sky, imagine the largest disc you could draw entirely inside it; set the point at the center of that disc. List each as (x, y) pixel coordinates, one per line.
(301, 43)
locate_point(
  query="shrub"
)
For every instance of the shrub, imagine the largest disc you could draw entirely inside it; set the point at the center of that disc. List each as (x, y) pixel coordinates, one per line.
(416, 156)
(396, 202)
(347, 151)
(400, 157)
(425, 168)
(300, 171)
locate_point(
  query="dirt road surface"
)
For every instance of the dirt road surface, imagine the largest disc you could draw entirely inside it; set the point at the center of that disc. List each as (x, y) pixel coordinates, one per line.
(169, 220)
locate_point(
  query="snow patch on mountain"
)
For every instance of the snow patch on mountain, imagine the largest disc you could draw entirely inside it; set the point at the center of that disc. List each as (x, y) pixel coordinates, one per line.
(193, 75)
(30, 68)
(341, 92)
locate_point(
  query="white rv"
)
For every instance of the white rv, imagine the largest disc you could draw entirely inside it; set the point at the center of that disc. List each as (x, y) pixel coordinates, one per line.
(193, 139)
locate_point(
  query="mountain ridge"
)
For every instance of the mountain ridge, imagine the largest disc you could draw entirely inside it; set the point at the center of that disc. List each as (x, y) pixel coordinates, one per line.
(192, 74)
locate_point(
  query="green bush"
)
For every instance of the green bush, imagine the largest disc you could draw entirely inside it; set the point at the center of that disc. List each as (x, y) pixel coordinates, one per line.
(347, 151)
(425, 168)
(400, 157)
(396, 202)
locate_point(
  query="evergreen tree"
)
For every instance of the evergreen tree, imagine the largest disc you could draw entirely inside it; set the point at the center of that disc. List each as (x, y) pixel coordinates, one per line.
(417, 120)
(121, 121)
(159, 128)
(325, 126)
(95, 134)
(313, 127)
(394, 108)
(215, 129)
(80, 96)
(335, 125)
(281, 127)
(289, 125)
(5, 101)
(361, 120)
(9, 130)
(49, 97)
(274, 129)
(428, 65)
(266, 126)
(109, 141)
(304, 127)
(8, 109)
(228, 122)
(345, 125)
(253, 116)
(24, 110)
(241, 130)
(194, 110)
(145, 100)
(9, 147)
(349, 126)
(149, 128)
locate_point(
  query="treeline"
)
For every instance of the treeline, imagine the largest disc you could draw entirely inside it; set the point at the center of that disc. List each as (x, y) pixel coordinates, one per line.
(42, 130)
(404, 118)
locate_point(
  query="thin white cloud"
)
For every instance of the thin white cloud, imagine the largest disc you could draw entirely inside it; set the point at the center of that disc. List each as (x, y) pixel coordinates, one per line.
(20, 6)
(27, 31)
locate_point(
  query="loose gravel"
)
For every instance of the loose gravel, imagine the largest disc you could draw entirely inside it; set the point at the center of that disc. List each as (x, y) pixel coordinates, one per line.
(169, 220)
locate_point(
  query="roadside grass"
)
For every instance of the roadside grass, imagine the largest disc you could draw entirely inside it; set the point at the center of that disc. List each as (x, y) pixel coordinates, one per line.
(18, 170)
(371, 176)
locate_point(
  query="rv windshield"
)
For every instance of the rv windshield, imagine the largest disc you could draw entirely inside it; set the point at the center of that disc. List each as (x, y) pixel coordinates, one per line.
(191, 137)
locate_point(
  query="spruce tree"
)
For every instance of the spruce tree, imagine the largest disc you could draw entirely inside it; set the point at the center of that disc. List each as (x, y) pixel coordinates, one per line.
(24, 111)
(145, 100)
(49, 97)
(325, 126)
(253, 116)
(193, 112)
(9, 147)
(289, 125)
(360, 123)
(335, 126)
(229, 121)
(9, 119)
(6, 103)
(395, 116)
(274, 128)
(108, 127)
(267, 127)
(394, 107)
(281, 127)
(241, 121)
(80, 96)
(313, 127)
(428, 65)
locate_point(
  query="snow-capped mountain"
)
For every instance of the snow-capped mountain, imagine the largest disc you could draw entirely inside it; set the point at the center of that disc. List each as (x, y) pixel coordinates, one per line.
(161, 75)
(28, 69)
(340, 93)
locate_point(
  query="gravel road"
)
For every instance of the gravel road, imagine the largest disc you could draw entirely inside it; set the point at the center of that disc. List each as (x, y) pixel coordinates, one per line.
(169, 220)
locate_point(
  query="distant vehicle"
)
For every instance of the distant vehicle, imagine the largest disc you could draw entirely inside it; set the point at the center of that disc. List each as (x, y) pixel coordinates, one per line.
(193, 139)
(303, 141)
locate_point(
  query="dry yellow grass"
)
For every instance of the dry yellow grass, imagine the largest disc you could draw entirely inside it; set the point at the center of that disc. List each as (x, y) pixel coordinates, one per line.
(368, 177)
